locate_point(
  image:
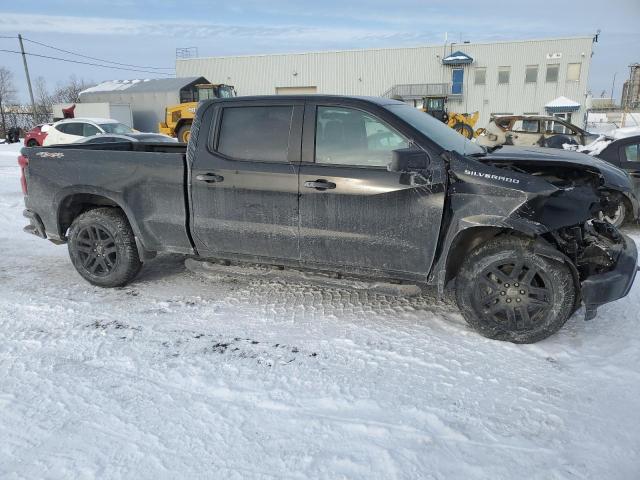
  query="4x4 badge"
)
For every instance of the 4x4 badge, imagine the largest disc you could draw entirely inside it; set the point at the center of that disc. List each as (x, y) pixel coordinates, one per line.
(50, 154)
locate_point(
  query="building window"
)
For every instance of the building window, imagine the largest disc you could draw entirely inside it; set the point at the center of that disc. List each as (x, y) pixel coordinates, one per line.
(531, 74)
(552, 72)
(345, 136)
(503, 75)
(269, 140)
(480, 76)
(457, 81)
(573, 72)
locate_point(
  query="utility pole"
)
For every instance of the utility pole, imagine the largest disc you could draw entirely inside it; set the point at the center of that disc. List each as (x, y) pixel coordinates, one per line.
(612, 87)
(4, 124)
(26, 72)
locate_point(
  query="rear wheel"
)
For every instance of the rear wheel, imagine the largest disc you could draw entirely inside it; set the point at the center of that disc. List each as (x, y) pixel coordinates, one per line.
(184, 133)
(102, 248)
(507, 292)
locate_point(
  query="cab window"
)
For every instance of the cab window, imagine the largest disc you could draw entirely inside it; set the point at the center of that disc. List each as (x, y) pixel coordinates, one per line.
(255, 133)
(346, 136)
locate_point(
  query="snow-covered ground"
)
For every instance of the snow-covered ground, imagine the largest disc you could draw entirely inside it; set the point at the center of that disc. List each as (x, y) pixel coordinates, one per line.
(176, 376)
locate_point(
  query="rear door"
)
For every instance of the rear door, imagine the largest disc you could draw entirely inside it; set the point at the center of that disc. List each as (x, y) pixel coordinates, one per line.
(67, 132)
(355, 215)
(244, 179)
(525, 132)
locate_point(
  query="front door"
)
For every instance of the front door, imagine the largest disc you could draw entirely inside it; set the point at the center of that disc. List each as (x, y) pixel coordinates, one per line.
(457, 81)
(355, 214)
(244, 180)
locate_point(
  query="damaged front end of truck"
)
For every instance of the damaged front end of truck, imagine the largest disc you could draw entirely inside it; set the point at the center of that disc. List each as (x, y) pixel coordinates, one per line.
(554, 198)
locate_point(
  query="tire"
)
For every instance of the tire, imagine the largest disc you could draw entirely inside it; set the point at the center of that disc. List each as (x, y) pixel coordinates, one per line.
(184, 133)
(103, 249)
(618, 218)
(490, 286)
(464, 129)
(32, 143)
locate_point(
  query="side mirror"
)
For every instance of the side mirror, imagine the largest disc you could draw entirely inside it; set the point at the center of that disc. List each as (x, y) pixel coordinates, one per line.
(45, 128)
(408, 160)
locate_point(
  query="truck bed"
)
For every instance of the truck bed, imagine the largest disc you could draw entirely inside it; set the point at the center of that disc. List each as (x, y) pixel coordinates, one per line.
(146, 180)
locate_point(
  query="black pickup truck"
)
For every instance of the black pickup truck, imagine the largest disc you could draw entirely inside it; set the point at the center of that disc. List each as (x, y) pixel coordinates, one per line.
(361, 187)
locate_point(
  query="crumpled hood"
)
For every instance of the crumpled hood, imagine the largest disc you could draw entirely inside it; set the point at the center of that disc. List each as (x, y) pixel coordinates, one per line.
(612, 176)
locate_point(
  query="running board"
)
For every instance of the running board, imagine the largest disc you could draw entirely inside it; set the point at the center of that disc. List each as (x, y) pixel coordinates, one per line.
(217, 271)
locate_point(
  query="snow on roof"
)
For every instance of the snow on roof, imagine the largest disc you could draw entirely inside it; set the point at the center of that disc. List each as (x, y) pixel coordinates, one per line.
(88, 119)
(144, 85)
(457, 58)
(562, 102)
(110, 86)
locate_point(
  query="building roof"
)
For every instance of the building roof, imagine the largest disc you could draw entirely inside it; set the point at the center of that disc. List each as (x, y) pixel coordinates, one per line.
(410, 47)
(144, 85)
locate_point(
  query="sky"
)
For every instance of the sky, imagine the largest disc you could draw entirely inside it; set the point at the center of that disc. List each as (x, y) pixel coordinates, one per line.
(147, 33)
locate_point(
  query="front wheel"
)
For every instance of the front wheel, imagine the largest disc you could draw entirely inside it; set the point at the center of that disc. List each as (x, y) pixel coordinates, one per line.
(507, 292)
(103, 249)
(184, 133)
(616, 217)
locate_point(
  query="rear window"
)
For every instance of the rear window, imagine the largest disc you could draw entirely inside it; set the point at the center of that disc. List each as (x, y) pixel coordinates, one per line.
(255, 133)
(72, 128)
(632, 153)
(526, 125)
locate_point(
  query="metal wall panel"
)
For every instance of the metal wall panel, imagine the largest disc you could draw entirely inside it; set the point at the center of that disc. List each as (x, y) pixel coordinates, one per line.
(373, 72)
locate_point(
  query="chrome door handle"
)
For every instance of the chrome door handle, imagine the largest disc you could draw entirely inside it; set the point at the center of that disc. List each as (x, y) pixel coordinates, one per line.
(209, 177)
(320, 184)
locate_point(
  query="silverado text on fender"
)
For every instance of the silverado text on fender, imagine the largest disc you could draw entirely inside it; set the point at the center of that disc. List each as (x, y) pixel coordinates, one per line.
(363, 187)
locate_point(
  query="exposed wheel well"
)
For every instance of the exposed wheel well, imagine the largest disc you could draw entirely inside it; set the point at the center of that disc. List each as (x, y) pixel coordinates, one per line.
(74, 205)
(464, 243)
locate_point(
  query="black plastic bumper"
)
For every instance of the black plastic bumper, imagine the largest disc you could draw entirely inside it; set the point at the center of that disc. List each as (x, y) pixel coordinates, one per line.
(614, 284)
(36, 227)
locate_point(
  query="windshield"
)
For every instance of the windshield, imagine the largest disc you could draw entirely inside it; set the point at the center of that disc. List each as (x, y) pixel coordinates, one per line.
(115, 128)
(435, 130)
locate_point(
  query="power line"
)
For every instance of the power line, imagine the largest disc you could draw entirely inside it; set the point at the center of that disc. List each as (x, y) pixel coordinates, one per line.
(84, 63)
(94, 58)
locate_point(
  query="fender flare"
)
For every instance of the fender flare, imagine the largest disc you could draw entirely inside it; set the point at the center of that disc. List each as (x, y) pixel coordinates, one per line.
(65, 193)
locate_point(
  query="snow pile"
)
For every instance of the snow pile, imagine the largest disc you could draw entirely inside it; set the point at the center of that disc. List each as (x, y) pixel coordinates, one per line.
(603, 141)
(594, 148)
(176, 376)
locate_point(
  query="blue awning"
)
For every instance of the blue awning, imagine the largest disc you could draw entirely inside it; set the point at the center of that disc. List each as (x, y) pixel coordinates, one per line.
(457, 58)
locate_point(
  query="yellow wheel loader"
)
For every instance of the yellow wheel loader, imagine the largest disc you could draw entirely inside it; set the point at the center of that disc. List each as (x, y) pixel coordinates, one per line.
(178, 118)
(462, 123)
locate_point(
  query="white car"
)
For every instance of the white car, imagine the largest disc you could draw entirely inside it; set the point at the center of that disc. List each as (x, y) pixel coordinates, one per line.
(71, 130)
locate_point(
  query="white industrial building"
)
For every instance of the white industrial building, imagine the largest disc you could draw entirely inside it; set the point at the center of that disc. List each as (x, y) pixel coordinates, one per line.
(517, 77)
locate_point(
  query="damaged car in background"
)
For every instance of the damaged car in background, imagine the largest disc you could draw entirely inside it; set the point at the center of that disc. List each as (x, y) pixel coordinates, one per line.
(357, 188)
(533, 130)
